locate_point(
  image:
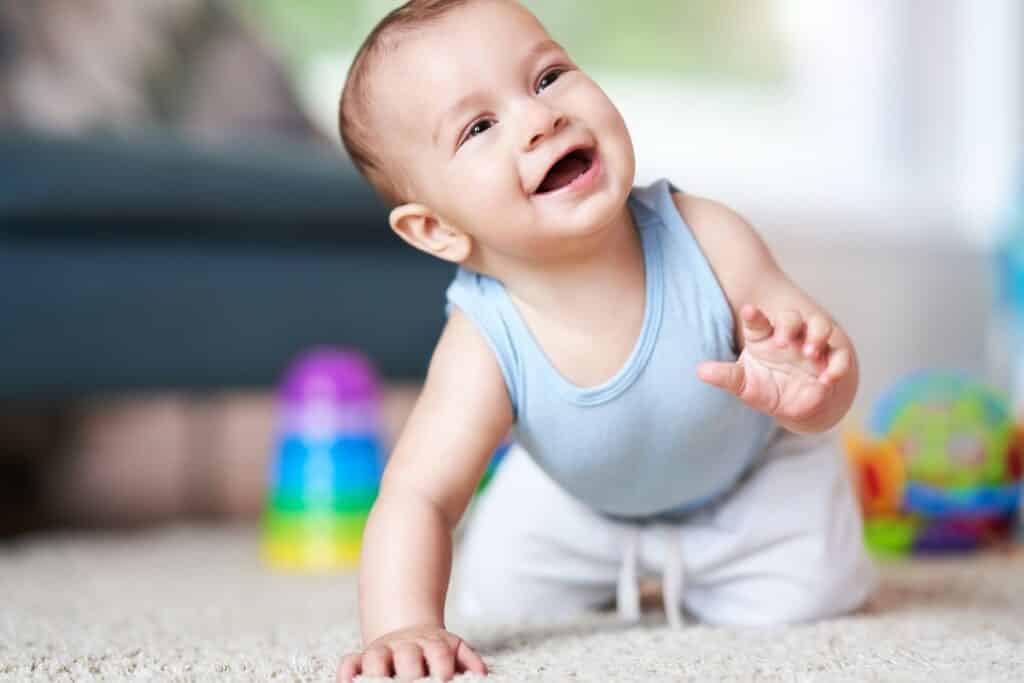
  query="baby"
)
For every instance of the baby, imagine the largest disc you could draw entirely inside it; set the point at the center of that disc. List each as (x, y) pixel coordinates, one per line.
(667, 384)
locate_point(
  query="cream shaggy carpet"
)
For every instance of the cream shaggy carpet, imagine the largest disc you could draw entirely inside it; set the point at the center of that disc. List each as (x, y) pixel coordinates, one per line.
(193, 604)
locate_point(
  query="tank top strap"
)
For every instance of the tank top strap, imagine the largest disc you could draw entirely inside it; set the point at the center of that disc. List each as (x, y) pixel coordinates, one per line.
(685, 260)
(476, 295)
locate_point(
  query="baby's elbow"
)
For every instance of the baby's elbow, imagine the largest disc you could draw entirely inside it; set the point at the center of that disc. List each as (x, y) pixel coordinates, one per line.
(400, 490)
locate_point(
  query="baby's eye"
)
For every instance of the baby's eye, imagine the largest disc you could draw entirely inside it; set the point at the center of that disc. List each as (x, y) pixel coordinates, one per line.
(548, 78)
(479, 127)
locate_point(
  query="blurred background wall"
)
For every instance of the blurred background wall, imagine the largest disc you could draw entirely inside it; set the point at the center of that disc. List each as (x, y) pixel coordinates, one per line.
(876, 144)
(196, 66)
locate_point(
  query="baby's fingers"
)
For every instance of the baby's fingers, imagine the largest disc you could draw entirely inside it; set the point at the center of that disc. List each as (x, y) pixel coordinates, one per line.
(839, 363)
(409, 662)
(756, 324)
(819, 329)
(468, 660)
(350, 667)
(440, 659)
(789, 327)
(377, 662)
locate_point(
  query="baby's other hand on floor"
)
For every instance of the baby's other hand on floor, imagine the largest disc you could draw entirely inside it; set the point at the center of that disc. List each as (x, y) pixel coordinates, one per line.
(788, 366)
(411, 654)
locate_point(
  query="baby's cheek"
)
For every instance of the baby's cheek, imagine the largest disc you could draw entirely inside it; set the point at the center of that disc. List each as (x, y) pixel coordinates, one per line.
(469, 189)
(484, 197)
(615, 140)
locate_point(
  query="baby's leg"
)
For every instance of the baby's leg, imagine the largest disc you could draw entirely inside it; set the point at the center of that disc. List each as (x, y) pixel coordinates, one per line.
(785, 547)
(531, 550)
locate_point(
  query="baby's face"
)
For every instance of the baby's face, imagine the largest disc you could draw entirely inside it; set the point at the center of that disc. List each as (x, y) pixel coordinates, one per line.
(501, 135)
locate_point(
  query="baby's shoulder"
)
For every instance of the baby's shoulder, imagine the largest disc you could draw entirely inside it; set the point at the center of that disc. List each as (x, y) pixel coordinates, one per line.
(700, 215)
(483, 305)
(736, 254)
(722, 233)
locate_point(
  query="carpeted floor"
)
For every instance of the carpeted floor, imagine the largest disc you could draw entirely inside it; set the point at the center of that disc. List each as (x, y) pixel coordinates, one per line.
(193, 604)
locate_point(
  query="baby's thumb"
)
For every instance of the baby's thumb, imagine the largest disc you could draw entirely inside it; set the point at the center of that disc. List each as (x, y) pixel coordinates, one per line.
(728, 376)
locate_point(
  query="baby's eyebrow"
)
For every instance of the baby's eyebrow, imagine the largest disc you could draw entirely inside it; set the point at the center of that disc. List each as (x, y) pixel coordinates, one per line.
(539, 49)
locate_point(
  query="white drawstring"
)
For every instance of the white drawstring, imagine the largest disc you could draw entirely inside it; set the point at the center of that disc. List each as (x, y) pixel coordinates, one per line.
(628, 593)
(673, 580)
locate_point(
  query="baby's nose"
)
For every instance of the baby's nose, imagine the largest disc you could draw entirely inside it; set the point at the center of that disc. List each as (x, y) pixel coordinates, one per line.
(543, 126)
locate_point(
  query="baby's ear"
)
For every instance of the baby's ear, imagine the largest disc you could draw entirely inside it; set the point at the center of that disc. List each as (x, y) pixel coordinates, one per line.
(423, 229)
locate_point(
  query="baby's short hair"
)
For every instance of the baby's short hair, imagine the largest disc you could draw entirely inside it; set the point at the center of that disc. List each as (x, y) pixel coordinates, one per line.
(354, 110)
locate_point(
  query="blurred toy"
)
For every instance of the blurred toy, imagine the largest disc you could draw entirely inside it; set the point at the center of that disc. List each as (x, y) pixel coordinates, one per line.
(1006, 334)
(879, 474)
(492, 467)
(952, 431)
(328, 465)
(939, 469)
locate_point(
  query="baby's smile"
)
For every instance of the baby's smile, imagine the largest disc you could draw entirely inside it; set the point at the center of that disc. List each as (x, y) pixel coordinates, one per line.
(576, 169)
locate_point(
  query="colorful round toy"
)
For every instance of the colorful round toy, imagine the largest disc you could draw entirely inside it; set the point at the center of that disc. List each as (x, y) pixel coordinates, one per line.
(328, 463)
(940, 467)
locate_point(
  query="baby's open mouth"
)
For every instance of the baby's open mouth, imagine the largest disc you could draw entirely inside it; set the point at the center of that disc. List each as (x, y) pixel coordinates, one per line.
(567, 169)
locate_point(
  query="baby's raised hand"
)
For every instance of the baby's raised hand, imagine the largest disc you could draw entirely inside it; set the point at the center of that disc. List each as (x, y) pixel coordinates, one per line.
(787, 368)
(411, 654)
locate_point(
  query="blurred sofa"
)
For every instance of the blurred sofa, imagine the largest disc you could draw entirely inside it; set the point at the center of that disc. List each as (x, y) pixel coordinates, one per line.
(132, 263)
(148, 262)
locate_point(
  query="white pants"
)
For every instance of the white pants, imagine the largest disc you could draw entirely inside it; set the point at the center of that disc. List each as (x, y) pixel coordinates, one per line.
(785, 546)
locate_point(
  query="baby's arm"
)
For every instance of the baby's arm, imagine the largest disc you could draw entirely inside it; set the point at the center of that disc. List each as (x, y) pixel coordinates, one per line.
(461, 416)
(796, 363)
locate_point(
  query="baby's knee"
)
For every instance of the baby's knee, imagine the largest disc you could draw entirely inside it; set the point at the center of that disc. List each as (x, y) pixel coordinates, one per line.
(811, 590)
(829, 591)
(513, 597)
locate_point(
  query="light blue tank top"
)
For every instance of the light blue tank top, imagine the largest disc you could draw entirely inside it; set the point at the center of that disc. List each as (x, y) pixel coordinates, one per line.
(653, 441)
